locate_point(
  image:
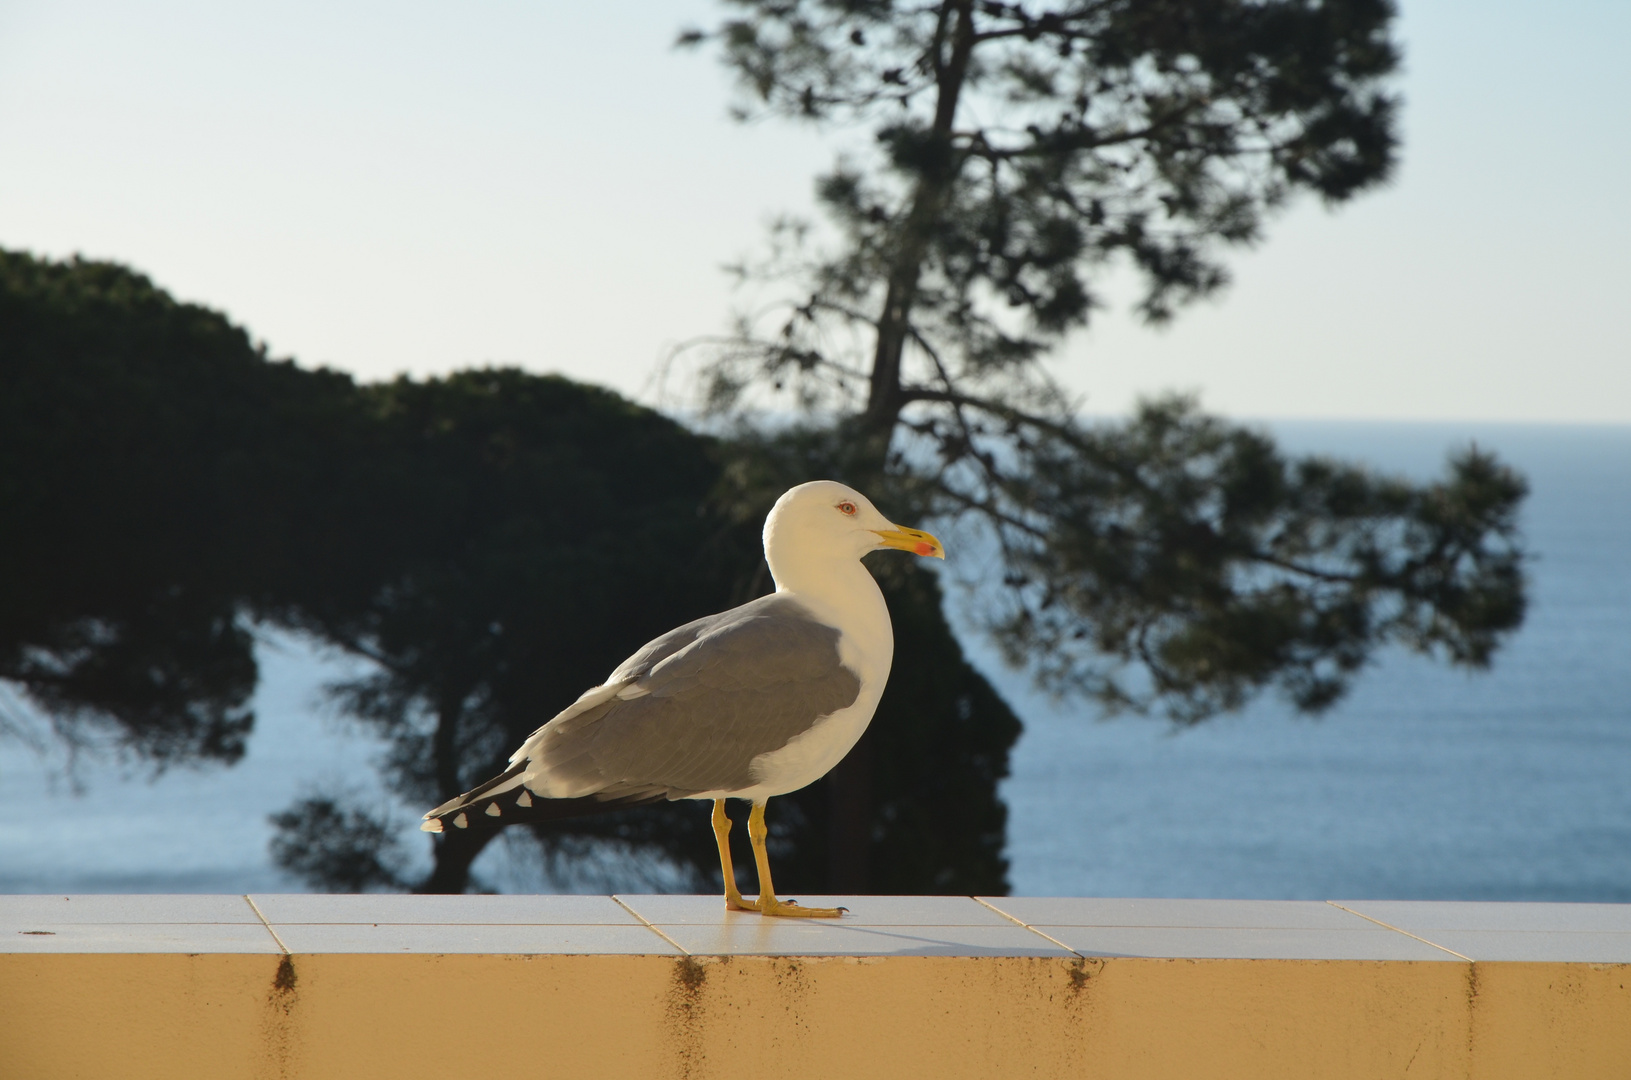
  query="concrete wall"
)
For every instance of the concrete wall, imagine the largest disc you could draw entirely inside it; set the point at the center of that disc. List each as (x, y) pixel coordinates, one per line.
(931, 997)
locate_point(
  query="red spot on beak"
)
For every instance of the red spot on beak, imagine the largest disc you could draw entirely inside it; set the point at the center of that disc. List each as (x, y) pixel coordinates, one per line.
(924, 549)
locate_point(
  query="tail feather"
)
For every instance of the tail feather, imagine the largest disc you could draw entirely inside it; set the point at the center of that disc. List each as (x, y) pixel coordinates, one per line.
(504, 781)
(503, 801)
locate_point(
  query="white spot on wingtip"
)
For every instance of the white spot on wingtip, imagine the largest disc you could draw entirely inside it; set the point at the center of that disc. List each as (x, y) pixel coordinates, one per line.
(523, 799)
(493, 810)
(461, 822)
(433, 825)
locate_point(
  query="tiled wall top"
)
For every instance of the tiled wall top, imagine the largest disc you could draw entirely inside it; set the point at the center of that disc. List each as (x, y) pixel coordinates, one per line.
(874, 926)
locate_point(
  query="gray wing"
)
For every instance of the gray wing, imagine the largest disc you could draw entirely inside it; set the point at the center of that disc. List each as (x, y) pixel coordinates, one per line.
(698, 705)
(659, 649)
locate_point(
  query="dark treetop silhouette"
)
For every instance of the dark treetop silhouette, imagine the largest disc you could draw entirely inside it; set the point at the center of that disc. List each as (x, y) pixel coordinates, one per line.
(167, 486)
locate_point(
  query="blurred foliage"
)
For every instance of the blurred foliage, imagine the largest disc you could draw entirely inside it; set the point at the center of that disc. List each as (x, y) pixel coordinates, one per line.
(1198, 551)
(147, 458)
(1014, 155)
(493, 541)
(337, 846)
(1011, 157)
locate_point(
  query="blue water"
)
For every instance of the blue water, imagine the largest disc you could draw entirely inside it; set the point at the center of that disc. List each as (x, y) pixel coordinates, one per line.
(1426, 783)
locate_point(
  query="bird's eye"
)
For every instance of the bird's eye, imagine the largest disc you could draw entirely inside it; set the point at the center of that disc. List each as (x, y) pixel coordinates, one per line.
(847, 508)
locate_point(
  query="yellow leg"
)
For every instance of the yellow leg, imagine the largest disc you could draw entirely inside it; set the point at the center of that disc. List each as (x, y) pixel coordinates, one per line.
(768, 904)
(722, 836)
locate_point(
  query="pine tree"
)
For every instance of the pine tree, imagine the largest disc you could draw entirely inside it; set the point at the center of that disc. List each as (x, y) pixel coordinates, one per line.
(1014, 155)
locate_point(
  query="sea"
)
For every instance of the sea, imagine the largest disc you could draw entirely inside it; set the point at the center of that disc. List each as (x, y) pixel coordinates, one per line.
(1426, 782)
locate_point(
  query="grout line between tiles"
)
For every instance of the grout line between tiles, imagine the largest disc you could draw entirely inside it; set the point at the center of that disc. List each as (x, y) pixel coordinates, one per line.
(651, 926)
(1027, 926)
(1406, 933)
(253, 907)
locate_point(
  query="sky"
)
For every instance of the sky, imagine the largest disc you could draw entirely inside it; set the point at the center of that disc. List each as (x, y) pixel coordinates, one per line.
(426, 186)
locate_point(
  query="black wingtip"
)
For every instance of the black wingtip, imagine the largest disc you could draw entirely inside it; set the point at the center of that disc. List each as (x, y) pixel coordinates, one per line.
(519, 805)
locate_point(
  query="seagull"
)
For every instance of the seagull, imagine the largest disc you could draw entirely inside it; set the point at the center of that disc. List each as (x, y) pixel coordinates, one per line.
(750, 703)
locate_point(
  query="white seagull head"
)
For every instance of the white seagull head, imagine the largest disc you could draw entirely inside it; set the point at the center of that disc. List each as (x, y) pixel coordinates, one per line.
(824, 520)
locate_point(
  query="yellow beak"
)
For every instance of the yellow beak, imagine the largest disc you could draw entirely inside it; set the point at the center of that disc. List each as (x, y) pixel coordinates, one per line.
(914, 540)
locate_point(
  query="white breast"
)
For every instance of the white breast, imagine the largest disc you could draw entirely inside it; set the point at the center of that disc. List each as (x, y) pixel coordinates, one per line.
(866, 645)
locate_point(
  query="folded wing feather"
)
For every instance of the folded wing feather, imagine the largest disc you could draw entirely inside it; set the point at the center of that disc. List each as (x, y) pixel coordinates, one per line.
(686, 714)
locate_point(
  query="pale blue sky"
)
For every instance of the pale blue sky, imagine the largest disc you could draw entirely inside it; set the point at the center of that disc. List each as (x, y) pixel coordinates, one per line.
(422, 186)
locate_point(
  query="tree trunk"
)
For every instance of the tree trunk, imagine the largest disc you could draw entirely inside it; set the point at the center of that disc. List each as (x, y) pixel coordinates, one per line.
(445, 746)
(849, 821)
(455, 851)
(884, 400)
(849, 824)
